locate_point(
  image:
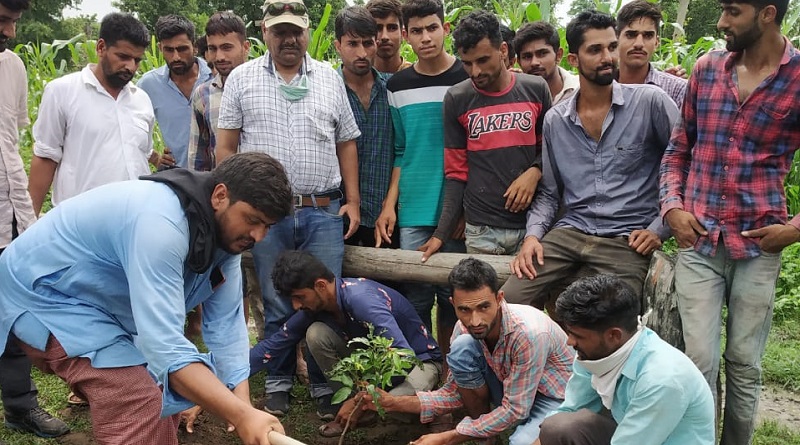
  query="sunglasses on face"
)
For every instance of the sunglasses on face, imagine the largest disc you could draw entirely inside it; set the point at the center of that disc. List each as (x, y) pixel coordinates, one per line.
(294, 8)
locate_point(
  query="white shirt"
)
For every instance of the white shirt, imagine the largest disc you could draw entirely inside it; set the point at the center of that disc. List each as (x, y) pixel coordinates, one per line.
(301, 134)
(14, 198)
(570, 85)
(94, 138)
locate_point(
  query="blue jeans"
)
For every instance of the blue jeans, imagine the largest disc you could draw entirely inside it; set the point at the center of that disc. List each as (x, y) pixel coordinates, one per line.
(493, 240)
(317, 230)
(470, 371)
(703, 285)
(422, 296)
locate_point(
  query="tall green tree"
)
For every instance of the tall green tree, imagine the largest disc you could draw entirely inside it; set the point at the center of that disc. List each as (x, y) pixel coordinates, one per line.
(42, 21)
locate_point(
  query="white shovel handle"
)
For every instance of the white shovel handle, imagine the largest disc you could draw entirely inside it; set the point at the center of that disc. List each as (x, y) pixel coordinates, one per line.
(276, 438)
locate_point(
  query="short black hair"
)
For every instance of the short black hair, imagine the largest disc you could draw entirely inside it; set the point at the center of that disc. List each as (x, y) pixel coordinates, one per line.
(538, 30)
(381, 9)
(256, 179)
(16, 5)
(781, 6)
(471, 274)
(173, 25)
(118, 26)
(355, 21)
(598, 303)
(422, 8)
(475, 27)
(508, 36)
(225, 22)
(583, 22)
(636, 10)
(295, 270)
(202, 45)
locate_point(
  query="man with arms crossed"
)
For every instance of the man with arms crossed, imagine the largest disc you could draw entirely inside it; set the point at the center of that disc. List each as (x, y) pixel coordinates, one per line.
(722, 194)
(628, 386)
(601, 153)
(97, 292)
(512, 356)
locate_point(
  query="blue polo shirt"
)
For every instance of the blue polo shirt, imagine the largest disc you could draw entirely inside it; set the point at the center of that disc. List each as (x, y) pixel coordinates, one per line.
(173, 110)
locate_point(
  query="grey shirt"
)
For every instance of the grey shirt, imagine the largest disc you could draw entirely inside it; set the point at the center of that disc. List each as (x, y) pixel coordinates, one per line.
(607, 187)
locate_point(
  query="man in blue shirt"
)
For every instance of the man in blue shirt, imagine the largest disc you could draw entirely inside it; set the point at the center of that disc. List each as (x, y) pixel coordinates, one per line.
(97, 291)
(596, 208)
(331, 311)
(170, 87)
(628, 386)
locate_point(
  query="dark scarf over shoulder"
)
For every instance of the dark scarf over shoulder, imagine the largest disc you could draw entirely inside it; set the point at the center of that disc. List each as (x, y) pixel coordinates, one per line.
(194, 192)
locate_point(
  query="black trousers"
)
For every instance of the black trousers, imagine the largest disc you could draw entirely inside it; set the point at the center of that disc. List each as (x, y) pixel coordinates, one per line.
(16, 386)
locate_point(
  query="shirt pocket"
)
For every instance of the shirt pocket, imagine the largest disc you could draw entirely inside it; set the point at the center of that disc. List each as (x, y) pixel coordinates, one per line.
(628, 158)
(774, 112)
(139, 137)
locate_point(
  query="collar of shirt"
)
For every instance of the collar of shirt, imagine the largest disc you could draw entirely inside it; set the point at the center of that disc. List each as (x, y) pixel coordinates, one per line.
(631, 367)
(88, 77)
(305, 68)
(569, 80)
(571, 110)
(380, 82)
(217, 83)
(788, 52)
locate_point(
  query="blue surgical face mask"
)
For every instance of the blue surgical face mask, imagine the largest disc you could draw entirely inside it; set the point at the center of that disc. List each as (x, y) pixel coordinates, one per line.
(295, 92)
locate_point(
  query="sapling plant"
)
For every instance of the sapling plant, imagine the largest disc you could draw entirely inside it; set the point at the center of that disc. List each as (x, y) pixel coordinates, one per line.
(372, 364)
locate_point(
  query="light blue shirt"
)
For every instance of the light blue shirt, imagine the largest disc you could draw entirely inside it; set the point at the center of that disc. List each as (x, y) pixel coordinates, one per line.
(661, 397)
(105, 273)
(607, 187)
(173, 110)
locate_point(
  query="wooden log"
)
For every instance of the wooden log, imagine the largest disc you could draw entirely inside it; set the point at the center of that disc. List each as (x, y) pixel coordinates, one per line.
(406, 265)
(659, 295)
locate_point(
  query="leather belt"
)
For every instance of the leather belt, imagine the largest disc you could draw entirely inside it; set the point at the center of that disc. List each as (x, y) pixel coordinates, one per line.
(316, 199)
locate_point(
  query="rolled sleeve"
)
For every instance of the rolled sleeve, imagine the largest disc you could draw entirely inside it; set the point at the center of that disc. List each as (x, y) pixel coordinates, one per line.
(443, 400)
(50, 126)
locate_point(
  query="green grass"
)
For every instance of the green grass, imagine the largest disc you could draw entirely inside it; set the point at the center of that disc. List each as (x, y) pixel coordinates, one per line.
(772, 433)
(781, 363)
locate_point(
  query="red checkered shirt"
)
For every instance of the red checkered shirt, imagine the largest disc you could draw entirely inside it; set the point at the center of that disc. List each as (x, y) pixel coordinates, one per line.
(727, 161)
(531, 356)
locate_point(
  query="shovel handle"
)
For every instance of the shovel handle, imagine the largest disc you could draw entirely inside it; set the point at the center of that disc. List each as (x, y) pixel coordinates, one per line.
(276, 438)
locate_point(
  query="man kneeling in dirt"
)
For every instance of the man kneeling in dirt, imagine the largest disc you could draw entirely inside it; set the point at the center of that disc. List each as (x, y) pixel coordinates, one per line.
(629, 386)
(332, 310)
(515, 357)
(97, 291)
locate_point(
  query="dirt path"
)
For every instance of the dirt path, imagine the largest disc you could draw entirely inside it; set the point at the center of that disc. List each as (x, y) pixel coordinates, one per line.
(778, 404)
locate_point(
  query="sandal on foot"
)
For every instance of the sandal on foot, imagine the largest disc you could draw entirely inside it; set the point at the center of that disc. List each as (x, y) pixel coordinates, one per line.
(331, 429)
(75, 400)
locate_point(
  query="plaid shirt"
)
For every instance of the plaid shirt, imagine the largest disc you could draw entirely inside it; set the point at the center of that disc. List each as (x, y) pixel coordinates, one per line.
(202, 134)
(375, 147)
(672, 85)
(727, 161)
(531, 356)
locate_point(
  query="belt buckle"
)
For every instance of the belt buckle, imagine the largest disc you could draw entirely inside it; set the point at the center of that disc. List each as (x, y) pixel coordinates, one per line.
(298, 200)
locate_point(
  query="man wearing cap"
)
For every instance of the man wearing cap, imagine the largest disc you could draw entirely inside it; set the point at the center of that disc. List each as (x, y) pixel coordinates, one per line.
(295, 109)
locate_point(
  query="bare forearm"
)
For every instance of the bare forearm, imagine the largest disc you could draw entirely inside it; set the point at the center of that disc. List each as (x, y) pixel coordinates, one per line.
(394, 189)
(197, 383)
(403, 404)
(41, 177)
(348, 166)
(227, 144)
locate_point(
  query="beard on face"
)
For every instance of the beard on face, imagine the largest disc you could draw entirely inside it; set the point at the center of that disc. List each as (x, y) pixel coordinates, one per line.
(117, 79)
(178, 68)
(596, 78)
(744, 40)
(3, 42)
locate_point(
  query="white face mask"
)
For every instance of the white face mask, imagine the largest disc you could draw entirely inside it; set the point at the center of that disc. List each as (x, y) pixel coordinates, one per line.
(606, 371)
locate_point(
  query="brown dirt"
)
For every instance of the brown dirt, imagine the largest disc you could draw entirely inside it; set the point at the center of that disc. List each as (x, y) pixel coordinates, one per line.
(776, 404)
